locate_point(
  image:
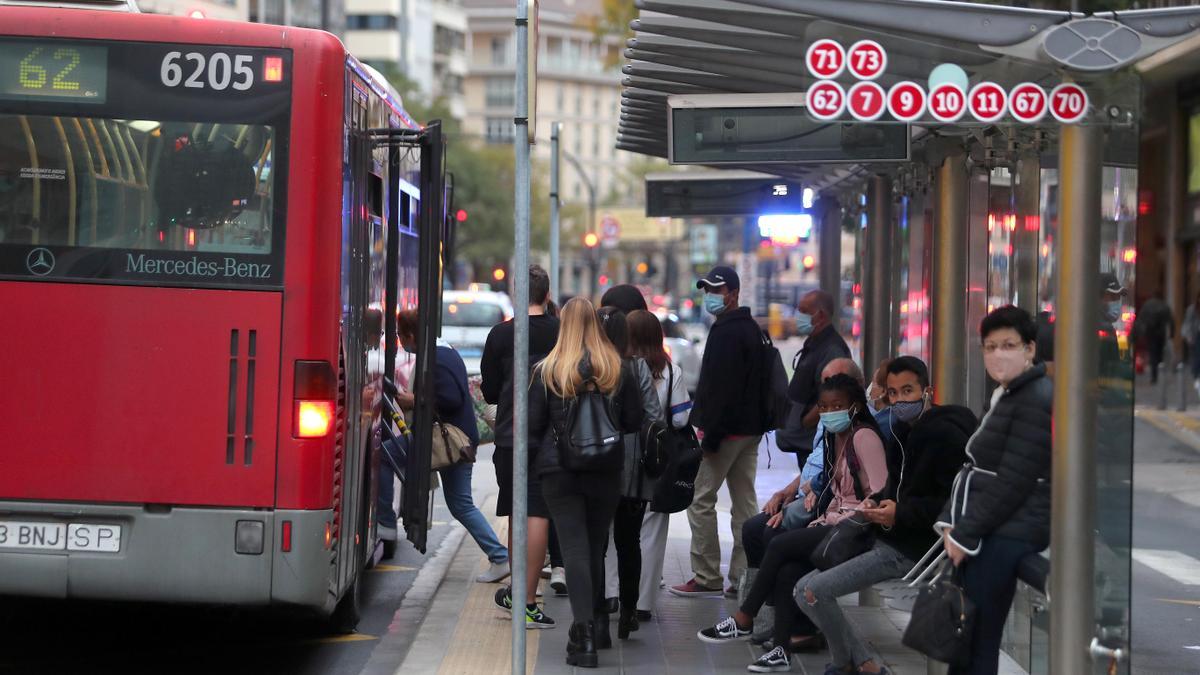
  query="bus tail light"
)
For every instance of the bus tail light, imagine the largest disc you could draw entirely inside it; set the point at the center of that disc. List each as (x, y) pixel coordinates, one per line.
(285, 541)
(314, 392)
(328, 535)
(314, 419)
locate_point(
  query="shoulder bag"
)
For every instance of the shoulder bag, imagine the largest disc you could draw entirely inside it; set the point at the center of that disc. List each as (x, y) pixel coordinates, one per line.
(851, 537)
(451, 445)
(943, 619)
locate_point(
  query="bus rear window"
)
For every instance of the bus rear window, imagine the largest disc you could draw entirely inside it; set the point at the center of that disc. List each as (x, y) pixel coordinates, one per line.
(143, 186)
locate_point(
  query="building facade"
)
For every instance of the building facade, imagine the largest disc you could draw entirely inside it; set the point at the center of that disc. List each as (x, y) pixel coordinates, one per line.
(578, 84)
(423, 39)
(323, 14)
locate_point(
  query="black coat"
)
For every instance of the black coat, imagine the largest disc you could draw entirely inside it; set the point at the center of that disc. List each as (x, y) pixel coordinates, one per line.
(548, 411)
(923, 459)
(1007, 493)
(729, 395)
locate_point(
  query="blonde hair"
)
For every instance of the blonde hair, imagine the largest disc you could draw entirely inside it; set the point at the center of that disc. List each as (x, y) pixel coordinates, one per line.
(580, 339)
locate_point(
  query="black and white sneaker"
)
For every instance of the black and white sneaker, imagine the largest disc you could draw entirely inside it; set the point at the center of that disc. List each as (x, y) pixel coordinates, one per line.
(726, 630)
(503, 598)
(775, 661)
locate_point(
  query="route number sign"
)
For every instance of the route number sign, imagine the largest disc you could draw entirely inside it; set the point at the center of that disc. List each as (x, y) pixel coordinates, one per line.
(947, 103)
(988, 101)
(906, 101)
(867, 101)
(1027, 102)
(866, 59)
(1068, 103)
(826, 59)
(826, 100)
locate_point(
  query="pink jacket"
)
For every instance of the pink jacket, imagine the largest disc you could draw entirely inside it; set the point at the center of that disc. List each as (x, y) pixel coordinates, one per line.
(873, 475)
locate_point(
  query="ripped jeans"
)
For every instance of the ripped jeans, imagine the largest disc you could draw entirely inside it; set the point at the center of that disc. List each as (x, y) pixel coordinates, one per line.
(846, 646)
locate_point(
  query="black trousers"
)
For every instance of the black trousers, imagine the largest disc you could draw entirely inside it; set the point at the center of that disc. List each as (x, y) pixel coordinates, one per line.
(990, 581)
(556, 559)
(582, 507)
(784, 564)
(755, 538)
(627, 536)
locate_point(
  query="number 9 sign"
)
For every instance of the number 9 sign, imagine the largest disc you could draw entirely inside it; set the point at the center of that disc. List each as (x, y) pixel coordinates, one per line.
(1068, 103)
(947, 102)
(826, 100)
(906, 101)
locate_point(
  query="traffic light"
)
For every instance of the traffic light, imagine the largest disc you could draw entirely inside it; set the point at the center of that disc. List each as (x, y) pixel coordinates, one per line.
(591, 240)
(500, 279)
(498, 274)
(461, 215)
(642, 268)
(809, 262)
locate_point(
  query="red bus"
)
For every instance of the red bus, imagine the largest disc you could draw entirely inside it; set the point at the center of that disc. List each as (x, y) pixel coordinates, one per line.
(205, 228)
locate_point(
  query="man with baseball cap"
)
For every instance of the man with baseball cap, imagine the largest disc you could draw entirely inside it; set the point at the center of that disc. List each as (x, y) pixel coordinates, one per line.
(728, 410)
(1112, 297)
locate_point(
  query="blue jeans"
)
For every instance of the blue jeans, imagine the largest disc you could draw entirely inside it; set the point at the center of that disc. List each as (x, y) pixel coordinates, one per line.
(456, 486)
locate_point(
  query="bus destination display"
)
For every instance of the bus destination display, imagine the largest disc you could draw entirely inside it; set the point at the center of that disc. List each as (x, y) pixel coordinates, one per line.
(51, 71)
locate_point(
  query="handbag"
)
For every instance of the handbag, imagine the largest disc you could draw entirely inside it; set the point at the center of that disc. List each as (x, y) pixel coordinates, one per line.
(848, 539)
(658, 439)
(943, 619)
(451, 446)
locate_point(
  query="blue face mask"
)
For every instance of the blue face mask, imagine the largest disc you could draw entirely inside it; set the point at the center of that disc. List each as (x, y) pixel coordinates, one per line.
(836, 421)
(908, 411)
(1112, 310)
(714, 304)
(804, 323)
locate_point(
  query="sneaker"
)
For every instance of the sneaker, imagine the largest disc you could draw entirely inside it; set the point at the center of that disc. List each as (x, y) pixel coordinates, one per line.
(558, 581)
(694, 590)
(644, 615)
(731, 592)
(535, 618)
(775, 661)
(503, 598)
(726, 630)
(495, 572)
(546, 572)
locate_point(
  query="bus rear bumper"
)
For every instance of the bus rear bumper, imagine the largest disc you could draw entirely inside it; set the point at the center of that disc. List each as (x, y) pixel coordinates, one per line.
(179, 554)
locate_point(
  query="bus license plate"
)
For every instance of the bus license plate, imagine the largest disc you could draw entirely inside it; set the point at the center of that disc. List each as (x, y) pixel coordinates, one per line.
(42, 536)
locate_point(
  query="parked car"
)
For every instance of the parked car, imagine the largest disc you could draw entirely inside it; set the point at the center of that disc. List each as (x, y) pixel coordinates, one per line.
(468, 317)
(683, 350)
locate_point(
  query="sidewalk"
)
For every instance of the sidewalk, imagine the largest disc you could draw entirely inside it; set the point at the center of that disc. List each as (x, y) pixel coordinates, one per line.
(464, 633)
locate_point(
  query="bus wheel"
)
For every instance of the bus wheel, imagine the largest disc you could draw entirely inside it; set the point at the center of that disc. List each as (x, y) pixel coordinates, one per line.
(348, 612)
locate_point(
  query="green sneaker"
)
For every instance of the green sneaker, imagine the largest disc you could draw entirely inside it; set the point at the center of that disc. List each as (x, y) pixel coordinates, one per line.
(536, 618)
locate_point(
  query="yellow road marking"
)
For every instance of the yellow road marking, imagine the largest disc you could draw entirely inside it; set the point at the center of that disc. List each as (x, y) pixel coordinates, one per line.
(352, 637)
(1190, 603)
(393, 568)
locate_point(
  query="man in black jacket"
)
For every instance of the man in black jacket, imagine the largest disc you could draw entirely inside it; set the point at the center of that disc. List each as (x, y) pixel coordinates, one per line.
(815, 320)
(728, 409)
(926, 449)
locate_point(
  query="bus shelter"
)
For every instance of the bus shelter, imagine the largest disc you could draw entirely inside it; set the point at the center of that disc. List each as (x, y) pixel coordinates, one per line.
(999, 166)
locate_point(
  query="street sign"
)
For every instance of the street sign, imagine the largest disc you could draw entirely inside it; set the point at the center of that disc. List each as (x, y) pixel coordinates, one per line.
(826, 100)
(988, 101)
(1068, 103)
(610, 231)
(906, 101)
(826, 59)
(1027, 103)
(867, 101)
(866, 59)
(947, 103)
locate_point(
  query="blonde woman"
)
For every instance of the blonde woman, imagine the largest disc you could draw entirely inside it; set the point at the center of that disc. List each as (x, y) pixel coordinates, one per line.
(581, 504)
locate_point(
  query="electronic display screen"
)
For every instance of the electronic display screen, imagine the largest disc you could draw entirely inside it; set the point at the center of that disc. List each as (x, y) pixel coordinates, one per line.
(53, 70)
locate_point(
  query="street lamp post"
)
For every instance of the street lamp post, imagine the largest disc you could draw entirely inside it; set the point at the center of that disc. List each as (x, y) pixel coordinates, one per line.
(591, 228)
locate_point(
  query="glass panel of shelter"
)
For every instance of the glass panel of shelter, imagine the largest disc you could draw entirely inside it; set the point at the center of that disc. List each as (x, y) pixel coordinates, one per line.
(1011, 258)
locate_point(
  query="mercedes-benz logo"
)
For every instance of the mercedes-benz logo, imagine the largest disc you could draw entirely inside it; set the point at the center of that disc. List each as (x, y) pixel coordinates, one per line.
(40, 261)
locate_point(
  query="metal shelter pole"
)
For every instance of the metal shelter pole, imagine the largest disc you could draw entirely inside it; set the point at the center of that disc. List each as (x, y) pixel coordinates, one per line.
(877, 329)
(520, 506)
(555, 127)
(829, 265)
(1027, 199)
(1076, 363)
(950, 281)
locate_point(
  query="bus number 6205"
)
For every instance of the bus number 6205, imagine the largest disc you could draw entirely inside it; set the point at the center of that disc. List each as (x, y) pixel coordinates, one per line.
(218, 71)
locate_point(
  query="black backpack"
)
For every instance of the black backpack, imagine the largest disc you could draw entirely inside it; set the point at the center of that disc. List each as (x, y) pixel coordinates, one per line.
(590, 439)
(680, 455)
(776, 404)
(657, 439)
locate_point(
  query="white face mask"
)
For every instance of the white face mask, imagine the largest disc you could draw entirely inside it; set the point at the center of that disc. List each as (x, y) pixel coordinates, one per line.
(1004, 366)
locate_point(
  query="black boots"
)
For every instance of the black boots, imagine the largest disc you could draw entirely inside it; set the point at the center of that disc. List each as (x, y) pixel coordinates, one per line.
(603, 636)
(581, 645)
(627, 623)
